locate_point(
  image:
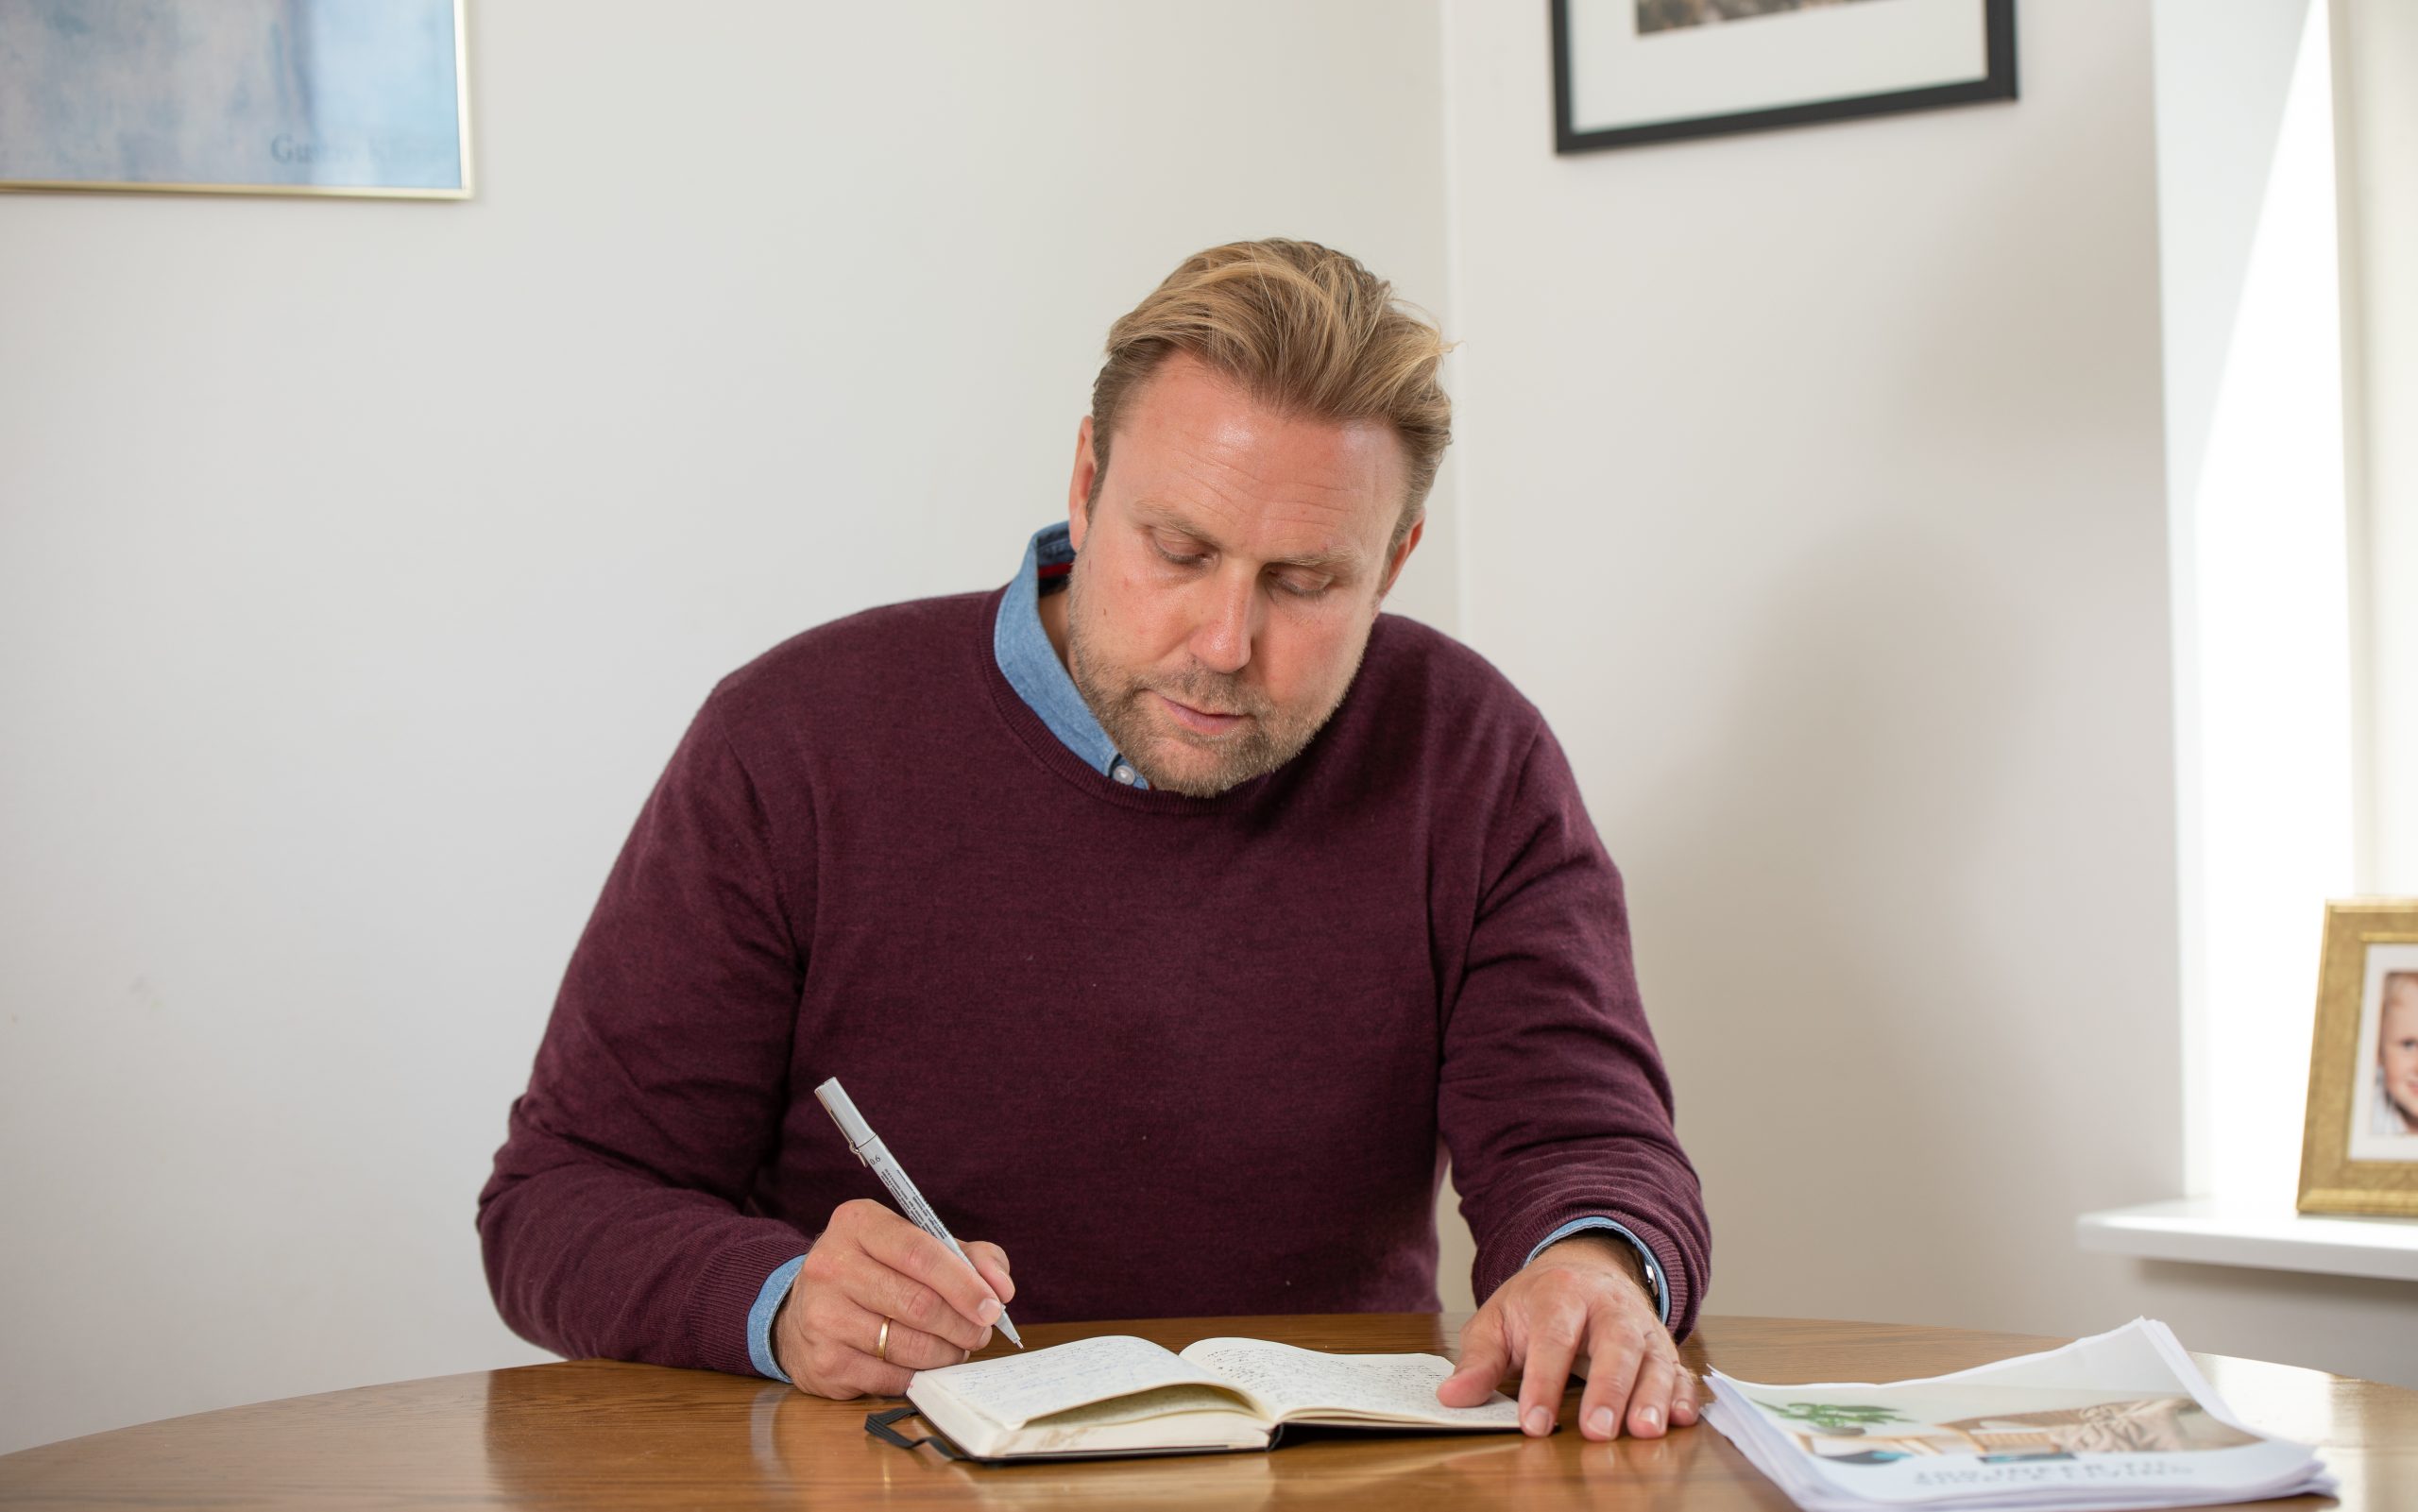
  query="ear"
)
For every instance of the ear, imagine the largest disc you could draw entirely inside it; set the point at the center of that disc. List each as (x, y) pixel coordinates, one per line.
(1078, 487)
(1393, 569)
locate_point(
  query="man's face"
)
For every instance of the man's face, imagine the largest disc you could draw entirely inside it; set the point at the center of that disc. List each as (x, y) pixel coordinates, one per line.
(2398, 1049)
(1226, 578)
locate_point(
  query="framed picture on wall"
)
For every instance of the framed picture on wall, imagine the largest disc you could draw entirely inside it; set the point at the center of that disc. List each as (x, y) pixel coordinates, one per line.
(338, 97)
(1626, 73)
(2360, 1147)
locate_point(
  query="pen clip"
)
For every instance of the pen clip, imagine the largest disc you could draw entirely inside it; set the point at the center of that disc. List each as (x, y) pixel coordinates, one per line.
(853, 1127)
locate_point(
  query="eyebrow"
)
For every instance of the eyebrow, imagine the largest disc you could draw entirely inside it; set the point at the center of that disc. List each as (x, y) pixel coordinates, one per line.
(1341, 562)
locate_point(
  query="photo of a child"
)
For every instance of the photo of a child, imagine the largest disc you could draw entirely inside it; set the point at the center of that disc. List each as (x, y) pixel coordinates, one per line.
(2393, 1083)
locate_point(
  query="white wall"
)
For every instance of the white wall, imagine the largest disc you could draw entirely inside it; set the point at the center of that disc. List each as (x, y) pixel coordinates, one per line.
(1813, 483)
(361, 562)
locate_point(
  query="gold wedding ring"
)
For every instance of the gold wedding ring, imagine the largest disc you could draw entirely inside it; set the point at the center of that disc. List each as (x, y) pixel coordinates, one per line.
(881, 1349)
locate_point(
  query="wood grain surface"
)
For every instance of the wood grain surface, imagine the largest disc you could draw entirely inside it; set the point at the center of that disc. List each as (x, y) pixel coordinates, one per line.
(600, 1433)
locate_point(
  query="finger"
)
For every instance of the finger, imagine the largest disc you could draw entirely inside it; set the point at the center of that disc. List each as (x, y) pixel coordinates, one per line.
(1485, 1356)
(992, 1262)
(873, 1378)
(1614, 1354)
(873, 1233)
(908, 1345)
(1649, 1400)
(1555, 1328)
(878, 1289)
(1686, 1405)
(913, 1253)
(909, 1348)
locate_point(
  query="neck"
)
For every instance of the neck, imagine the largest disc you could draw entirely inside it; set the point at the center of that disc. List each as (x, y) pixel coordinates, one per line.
(1053, 622)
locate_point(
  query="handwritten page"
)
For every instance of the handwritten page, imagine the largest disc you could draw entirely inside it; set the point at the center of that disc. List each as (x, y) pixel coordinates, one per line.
(1017, 1389)
(1290, 1382)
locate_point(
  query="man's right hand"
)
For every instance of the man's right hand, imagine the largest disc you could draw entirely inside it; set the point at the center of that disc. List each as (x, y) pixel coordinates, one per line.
(872, 1265)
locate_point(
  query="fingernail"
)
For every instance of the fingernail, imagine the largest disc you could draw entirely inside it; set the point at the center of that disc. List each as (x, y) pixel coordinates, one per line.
(1653, 1416)
(1600, 1422)
(1540, 1422)
(989, 1312)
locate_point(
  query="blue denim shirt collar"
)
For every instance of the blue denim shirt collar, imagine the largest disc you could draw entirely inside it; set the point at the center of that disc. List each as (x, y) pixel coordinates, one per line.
(1031, 667)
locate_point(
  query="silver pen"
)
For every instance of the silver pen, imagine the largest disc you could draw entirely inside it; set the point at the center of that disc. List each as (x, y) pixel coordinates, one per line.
(876, 1154)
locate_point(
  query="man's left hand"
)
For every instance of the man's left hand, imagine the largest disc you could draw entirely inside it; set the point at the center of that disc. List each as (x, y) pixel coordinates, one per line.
(1580, 1307)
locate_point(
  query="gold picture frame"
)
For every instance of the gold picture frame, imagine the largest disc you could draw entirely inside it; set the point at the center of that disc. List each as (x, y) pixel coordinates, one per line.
(2359, 1146)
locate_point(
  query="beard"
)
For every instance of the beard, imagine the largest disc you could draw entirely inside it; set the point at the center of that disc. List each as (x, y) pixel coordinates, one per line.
(1125, 703)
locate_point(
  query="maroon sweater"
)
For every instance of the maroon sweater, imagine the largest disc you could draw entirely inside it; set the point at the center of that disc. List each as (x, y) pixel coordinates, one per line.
(1179, 1056)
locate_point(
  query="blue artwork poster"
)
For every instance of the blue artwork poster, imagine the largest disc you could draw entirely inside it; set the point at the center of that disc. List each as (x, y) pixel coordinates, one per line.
(335, 96)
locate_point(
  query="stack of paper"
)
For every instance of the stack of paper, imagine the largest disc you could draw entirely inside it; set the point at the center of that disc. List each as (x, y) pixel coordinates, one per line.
(2122, 1419)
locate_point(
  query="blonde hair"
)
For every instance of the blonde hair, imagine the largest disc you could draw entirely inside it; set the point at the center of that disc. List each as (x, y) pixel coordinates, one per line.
(1306, 330)
(2395, 984)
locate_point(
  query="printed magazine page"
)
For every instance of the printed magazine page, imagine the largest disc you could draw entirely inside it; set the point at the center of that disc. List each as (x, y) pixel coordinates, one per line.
(2123, 1419)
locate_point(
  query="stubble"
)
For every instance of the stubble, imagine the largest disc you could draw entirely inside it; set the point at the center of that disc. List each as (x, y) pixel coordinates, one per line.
(1123, 703)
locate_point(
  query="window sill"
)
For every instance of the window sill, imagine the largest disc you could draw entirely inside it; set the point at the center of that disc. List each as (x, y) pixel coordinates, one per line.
(2267, 1236)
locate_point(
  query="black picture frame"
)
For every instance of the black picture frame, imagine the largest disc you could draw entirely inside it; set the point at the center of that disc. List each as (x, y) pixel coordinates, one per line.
(1997, 84)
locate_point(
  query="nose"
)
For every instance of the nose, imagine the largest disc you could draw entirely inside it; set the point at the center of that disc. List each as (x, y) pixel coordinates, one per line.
(1222, 634)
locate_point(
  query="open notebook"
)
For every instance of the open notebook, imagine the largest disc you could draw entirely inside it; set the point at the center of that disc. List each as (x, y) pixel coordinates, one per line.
(1119, 1395)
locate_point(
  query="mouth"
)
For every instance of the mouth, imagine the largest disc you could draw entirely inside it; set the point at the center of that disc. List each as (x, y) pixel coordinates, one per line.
(1198, 720)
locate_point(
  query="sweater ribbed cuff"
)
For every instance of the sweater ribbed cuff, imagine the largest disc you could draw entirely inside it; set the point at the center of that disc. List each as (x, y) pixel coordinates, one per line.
(726, 1292)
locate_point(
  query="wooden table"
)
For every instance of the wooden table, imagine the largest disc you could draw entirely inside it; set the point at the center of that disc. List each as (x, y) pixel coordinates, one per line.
(596, 1434)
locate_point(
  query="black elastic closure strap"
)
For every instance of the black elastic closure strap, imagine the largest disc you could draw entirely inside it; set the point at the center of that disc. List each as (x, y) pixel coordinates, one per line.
(879, 1424)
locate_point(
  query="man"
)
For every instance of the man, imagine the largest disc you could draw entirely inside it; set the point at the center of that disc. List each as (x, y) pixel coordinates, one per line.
(1164, 910)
